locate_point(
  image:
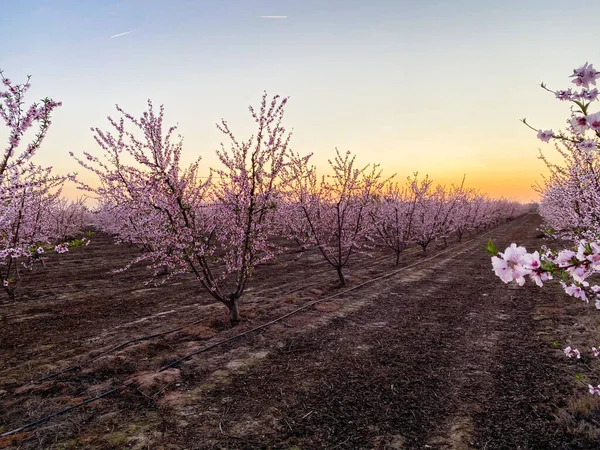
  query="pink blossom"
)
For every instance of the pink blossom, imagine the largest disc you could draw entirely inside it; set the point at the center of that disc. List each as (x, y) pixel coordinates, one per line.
(61, 248)
(510, 265)
(579, 124)
(531, 260)
(574, 291)
(594, 390)
(572, 352)
(595, 248)
(545, 136)
(593, 120)
(587, 145)
(579, 273)
(565, 257)
(585, 75)
(590, 95)
(564, 95)
(540, 277)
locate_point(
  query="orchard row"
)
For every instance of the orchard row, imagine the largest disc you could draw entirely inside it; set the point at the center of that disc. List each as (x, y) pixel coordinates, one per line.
(261, 198)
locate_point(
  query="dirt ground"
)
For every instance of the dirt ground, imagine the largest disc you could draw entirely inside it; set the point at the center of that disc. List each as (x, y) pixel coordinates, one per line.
(438, 354)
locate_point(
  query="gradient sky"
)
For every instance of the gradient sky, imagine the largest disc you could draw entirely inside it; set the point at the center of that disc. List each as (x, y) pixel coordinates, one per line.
(433, 86)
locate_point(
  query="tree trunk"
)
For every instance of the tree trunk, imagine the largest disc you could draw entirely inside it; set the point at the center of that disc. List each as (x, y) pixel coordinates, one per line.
(397, 258)
(234, 314)
(300, 244)
(10, 292)
(341, 276)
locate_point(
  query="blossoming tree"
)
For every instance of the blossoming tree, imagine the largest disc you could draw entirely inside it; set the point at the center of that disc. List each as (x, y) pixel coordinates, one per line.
(335, 208)
(570, 205)
(392, 218)
(28, 193)
(219, 231)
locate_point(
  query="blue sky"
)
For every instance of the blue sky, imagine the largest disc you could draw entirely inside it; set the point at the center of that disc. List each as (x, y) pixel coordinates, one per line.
(433, 86)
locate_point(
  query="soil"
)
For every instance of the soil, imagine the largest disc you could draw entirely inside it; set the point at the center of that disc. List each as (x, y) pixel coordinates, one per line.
(438, 354)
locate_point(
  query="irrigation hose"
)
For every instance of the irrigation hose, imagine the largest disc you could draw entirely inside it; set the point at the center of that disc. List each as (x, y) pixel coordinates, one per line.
(142, 338)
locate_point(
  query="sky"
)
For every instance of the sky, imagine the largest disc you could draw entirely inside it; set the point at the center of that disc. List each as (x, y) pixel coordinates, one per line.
(435, 87)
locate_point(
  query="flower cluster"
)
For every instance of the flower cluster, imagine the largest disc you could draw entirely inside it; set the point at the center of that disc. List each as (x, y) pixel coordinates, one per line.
(570, 204)
(581, 120)
(572, 267)
(515, 264)
(62, 248)
(572, 353)
(14, 253)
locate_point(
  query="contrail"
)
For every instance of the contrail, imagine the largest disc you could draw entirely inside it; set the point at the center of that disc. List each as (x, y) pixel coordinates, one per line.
(121, 34)
(273, 17)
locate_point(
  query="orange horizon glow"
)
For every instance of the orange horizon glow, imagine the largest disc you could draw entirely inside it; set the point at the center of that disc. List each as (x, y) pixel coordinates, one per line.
(494, 185)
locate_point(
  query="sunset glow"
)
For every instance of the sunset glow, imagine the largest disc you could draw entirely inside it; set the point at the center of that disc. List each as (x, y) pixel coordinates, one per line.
(434, 87)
